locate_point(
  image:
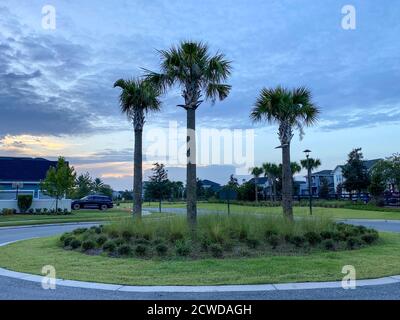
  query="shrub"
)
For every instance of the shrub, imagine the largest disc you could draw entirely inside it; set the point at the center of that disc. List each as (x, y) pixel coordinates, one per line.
(252, 243)
(119, 241)
(45, 210)
(38, 211)
(298, 241)
(369, 238)
(182, 247)
(88, 244)
(144, 242)
(8, 212)
(31, 211)
(161, 249)
(312, 237)
(269, 233)
(79, 231)
(326, 235)
(24, 202)
(328, 244)
(353, 242)
(75, 243)
(124, 250)
(101, 239)
(67, 240)
(110, 246)
(140, 250)
(273, 240)
(216, 250)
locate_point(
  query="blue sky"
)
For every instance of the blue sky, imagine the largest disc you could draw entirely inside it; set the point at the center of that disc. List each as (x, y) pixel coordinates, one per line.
(56, 95)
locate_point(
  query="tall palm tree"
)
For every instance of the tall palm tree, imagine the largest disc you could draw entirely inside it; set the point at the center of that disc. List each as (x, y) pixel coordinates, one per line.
(272, 171)
(191, 67)
(97, 185)
(290, 109)
(310, 162)
(138, 97)
(256, 172)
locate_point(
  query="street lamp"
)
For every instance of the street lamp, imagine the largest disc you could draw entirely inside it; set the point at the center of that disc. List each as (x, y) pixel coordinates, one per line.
(307, 152)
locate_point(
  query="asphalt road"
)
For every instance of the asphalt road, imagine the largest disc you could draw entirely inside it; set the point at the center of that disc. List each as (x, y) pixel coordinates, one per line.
(15, 289)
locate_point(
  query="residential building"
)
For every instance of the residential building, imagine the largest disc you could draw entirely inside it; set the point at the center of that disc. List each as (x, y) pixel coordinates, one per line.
(23, 175)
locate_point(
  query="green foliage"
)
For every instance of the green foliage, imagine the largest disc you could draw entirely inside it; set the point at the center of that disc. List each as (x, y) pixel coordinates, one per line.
(110, 246)
(310, 163)
(124, 250)
(24, 202)
(101, 239)
(140, 250)
(8, 212)
(75, 243)
(355, 172)
(161, 249)
(216, 250)
(59, 180)
(183, 248)
(88, 244)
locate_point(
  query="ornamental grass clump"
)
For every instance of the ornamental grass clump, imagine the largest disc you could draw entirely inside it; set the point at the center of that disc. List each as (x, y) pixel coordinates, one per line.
(217, 236)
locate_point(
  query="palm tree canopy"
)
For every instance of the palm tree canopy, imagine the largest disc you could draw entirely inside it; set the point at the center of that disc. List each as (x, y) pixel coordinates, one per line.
(313, 163)
(256, 171)
(190, 66)
(292, 108)
(271, 169)
(139, 95)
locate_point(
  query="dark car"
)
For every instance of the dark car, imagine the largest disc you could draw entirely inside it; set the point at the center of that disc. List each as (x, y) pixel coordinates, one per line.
(93, 202)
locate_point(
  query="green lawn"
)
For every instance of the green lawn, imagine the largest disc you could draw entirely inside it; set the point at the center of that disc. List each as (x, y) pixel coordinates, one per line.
(77, 216)
(335, 213)
(31, 255)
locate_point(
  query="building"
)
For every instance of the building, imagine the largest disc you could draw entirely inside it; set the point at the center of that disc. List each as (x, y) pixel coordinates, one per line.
(317, 180)
(210, 185)
(22, 175)
(337, 173)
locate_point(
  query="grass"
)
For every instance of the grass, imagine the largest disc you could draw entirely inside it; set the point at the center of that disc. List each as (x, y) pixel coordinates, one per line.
(31, 255)
(334, 213)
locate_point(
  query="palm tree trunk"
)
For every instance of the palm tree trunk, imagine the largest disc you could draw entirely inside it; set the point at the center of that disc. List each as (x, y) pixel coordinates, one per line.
(287, 183)
(255, 183)
(191, 193)
(137, 175)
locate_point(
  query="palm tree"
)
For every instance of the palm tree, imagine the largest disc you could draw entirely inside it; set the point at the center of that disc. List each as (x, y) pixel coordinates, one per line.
(97, 185)
(314, 163)
(290, 109)
(138, 97)
(256, 172)
(272, 171)
(198, 74)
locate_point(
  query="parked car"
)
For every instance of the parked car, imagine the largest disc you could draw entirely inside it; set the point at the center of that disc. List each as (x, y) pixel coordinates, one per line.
(93, 202)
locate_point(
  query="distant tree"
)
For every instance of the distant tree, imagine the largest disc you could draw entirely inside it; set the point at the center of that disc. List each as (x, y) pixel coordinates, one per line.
(390, 170)
(273, 172)
(127, 195)
(97, 185)
(378, 184)
(314, 163)
(355, 173)
(324, 189)
(246, 191)
(159, 183)
(233, 183)
(256, 172)
(83, 186)
(59, 181)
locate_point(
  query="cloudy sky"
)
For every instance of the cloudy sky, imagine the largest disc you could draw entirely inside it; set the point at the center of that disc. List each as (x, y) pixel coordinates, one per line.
(57, 98)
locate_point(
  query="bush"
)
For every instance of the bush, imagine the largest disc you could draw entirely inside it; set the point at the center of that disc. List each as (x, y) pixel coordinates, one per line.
(75, 243)
(182, 247)
(101, 239)
(353, 242)
(124, 250)
(119, 241)
(88, 244)
(110, 246)
(31, 211)
(140, 250)
(8, 212)
(68, 240)
(126, 234)
(273, 240)
(328, 244)
(298, 241)
(79, 231)
(370, 238)
(312, 237)
(24, 202)
(216, 250)
(38, 211)
(161, 249)
(253, 243)
(326, 235)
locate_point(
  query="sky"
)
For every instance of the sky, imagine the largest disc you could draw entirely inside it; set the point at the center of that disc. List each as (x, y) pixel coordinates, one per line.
(57, 96)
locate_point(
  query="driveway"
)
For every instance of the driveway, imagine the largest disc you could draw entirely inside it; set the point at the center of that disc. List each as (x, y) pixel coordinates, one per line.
(13, 288)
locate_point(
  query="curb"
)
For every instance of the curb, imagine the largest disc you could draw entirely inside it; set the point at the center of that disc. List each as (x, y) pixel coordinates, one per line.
(199, 289)
(53, 225)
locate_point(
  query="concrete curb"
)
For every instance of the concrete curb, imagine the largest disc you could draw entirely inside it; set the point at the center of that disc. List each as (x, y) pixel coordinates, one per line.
(54, 225)
(199, 289)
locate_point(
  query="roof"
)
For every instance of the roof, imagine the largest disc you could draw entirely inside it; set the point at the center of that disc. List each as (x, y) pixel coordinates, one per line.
(209, 183)
(370, 163)
(322, 173)
(260, 180)
(24, 169)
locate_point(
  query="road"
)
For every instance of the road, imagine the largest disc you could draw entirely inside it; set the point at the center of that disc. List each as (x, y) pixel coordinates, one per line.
(16, 289)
